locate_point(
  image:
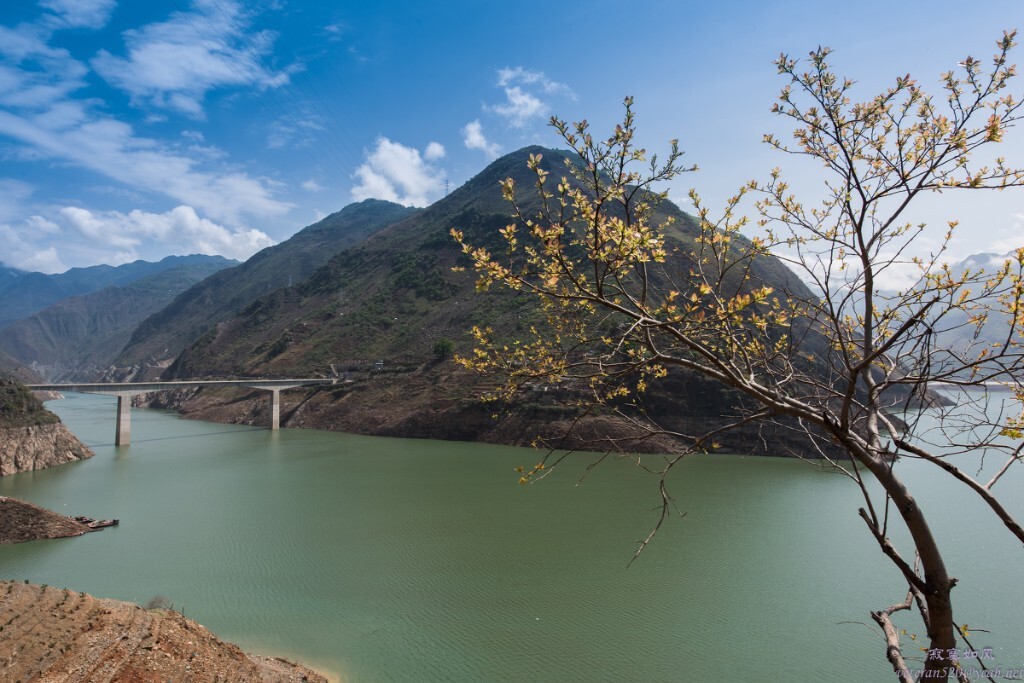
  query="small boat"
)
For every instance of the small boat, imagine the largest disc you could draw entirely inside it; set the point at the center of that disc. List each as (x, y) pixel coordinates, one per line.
(95, 524)
(102, 523)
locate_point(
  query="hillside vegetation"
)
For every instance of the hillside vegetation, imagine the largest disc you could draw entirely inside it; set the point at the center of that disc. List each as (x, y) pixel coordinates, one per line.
(19, 408)
(394, 297)
(165, 333)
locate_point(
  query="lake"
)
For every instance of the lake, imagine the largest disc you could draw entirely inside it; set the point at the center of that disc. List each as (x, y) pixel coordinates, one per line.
(378, 559)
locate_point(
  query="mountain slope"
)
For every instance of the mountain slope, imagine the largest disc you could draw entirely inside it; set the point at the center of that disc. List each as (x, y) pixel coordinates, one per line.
(22, 294)
(55, 634)
(78, 337)
(11, 368)
(167, 332)
(395, 298)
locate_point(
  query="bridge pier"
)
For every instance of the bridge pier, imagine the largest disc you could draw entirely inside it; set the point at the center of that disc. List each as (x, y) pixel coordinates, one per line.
(275, 409)
(124, 420)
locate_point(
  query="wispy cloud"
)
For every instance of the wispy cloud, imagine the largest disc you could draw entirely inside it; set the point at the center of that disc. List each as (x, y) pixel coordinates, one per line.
(38, 77)
(509, 77)
(473, 137)
(399, 174)
(109, 147)
(522, 95)
(173, 64)
(40, 112)
(297, 129)
(77, 13)
(13, 194)
(1010, 239)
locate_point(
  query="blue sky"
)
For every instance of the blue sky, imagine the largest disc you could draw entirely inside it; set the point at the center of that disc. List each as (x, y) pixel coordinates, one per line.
(142, 129)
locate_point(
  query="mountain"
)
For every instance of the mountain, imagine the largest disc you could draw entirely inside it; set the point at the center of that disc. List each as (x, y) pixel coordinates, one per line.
(76, 338)
(11, 368)
(954, 332)
(219, 297)
(22, 294)
(8, 274)
(394, 298)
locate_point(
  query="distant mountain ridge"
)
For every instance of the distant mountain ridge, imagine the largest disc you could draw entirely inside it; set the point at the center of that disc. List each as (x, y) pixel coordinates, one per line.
(24, 293)
(76, 338)
(954, 332)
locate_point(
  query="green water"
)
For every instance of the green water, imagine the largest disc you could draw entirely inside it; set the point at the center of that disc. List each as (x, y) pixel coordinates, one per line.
(405, 560)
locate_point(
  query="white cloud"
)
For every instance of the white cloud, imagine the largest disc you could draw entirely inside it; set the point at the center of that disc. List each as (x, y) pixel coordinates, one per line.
(75, 236)
(522, 104)
(508, 77)
(42, 225)
(434, 151)
(13, 194)
(78, 13)
(296, 130)
(36, 110)
(180, 230)
(109, 147)
(36, 76)
(474, 138)
(173, 64)
(25, 255)
(398, 174)
(1008, 240)
(311, 186)
(336, 31)
(519, 107)
(38, 113)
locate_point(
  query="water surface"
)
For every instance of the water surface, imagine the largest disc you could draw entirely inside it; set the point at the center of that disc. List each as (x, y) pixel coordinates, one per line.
(399, 560)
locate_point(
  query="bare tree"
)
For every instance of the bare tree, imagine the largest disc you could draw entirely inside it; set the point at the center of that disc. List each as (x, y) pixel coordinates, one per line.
(628, 299)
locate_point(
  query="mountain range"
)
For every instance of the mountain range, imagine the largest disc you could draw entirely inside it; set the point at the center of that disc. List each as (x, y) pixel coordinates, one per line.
(371, 295)
(23, 293)
(78, 337)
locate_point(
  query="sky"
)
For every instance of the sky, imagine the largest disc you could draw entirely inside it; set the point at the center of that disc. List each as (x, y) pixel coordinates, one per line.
(136, 130)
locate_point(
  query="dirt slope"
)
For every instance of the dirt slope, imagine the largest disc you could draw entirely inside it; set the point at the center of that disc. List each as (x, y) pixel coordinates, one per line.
(21, 521)
(56, 635)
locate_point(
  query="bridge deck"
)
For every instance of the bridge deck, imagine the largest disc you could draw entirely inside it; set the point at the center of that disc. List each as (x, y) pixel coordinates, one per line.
(125, 390)
(146, 387)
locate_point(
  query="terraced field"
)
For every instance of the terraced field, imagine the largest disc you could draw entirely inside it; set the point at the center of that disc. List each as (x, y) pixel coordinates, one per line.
(61, 636)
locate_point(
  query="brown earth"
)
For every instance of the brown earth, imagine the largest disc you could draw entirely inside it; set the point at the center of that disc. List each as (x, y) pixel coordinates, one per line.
(419, 403)
(21, 521)
(56, 635)
(440, 401)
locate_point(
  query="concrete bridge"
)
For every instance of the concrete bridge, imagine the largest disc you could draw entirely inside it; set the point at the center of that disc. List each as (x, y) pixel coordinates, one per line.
(125, 390)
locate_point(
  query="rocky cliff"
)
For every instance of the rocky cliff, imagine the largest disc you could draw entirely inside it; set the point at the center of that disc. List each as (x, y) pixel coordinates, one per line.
(31, 437)
(37, 447)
